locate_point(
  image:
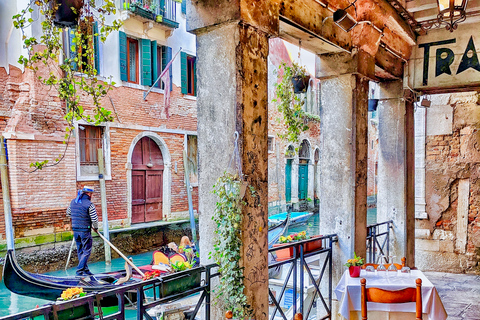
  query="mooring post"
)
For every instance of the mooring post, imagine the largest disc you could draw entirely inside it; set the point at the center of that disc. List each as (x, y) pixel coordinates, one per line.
(103, 194)
(6, 197)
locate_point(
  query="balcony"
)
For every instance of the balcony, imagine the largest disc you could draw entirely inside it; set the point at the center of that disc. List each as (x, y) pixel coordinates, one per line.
(163, 12)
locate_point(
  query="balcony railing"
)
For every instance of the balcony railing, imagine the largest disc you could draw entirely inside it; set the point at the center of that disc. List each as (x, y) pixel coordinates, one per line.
(305, 275)
(378, 241)
(152, 9)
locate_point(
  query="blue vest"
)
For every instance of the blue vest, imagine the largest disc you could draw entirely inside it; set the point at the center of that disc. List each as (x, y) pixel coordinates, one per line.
(79, 212)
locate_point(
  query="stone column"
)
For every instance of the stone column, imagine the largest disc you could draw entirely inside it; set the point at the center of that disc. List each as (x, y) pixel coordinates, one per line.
(392, 164)
(232, 88)
(343, 152)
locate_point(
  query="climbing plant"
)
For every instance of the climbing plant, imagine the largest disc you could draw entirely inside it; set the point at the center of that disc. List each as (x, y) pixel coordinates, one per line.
(291, 104)
(72, 75)
(228, 216)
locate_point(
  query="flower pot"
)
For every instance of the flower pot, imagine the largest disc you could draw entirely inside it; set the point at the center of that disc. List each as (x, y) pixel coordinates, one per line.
(64, 15)
(313, 245)
(159, 18)
(283, 254)
(354, 271)
(180, 282)
(82, 311)
(300, 84)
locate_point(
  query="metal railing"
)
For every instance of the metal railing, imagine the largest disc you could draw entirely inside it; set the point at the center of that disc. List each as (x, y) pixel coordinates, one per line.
(168, 10)
(378, 241)
(313, 267)
(148, 294)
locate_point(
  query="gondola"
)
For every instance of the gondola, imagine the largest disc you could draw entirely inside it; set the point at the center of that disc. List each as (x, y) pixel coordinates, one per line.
(275, 231)
(48, 287)
(296, 218)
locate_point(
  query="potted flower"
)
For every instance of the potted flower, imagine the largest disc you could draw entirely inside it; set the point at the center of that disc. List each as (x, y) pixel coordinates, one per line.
(354, 265)
(300, 78)
(75, 312)
(287, 253)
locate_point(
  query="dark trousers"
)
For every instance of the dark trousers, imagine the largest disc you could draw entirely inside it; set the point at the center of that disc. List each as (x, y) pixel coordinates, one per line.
(83, 239)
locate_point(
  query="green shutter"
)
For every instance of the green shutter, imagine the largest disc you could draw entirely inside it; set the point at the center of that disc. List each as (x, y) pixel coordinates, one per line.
(195, 77)
(164, 60)
(154, 63)
(146, 62)
(184, 72)
(169, 58)
(96, 49)
(288, 181)
(72, 48)
(184, 6)
(123, 56)
(162, 7)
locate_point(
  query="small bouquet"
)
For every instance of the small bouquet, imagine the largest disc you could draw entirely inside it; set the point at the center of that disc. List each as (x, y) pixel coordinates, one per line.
(151, 275)
(72, 293)
(180, 266)
(293, 237)
(356, 261)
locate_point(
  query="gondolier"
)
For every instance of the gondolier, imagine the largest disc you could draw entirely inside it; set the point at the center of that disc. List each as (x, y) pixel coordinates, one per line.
(84, 218)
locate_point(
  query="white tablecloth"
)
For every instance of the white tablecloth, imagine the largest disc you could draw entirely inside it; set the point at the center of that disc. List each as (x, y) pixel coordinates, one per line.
(348, 291)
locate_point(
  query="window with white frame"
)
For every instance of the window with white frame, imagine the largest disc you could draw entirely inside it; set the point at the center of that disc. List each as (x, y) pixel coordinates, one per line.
(89, 139)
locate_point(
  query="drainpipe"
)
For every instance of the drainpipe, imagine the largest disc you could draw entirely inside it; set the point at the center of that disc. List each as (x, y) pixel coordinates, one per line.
(103, 194)
(7, 209)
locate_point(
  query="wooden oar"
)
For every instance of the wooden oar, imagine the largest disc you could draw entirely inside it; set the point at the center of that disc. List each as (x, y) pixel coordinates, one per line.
(69, 254)
(121, 254)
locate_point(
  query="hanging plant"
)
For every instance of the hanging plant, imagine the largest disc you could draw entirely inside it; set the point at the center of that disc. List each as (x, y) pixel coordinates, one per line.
(77, 74)
(227, 247)
(291, 104)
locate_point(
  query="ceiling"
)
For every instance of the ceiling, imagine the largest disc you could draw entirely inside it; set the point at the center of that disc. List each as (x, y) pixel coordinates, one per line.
(422, 14)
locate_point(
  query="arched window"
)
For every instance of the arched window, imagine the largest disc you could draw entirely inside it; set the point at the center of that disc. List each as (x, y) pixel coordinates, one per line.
(304, 152)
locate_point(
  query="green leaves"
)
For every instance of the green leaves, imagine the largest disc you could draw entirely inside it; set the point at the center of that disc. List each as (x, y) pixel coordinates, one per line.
(228, 217)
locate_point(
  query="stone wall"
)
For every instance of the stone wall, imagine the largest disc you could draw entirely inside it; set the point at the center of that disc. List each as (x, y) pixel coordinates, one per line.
(449, 239)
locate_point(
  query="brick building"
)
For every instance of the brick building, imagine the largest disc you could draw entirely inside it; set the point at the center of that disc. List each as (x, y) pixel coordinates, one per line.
(143, 147)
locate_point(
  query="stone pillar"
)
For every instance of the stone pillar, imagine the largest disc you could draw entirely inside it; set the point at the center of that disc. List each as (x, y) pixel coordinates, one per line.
(232, 73)
(343, 152)
(392, 164)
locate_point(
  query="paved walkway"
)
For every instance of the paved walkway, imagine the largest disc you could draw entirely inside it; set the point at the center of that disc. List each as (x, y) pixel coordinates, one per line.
(460, 294)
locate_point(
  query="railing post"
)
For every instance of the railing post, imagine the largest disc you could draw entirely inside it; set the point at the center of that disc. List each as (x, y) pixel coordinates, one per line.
(295, 279)
(207, 296)
(301, 278)
(330, 266)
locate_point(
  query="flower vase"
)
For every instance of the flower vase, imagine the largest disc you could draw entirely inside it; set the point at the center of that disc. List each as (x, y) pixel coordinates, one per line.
(354, 271)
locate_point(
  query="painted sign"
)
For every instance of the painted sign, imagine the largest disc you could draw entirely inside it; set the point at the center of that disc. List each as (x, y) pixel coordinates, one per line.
(444, 59)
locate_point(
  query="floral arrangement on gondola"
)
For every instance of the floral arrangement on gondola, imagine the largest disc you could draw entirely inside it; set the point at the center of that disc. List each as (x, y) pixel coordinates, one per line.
(72, 293)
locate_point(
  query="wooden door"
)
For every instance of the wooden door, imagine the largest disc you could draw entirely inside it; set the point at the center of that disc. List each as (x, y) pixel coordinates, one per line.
(288, 181)
(302, 181)
(147, 181)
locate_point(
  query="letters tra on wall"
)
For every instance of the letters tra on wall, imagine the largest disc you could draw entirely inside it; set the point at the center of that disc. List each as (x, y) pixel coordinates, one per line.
(443, 59)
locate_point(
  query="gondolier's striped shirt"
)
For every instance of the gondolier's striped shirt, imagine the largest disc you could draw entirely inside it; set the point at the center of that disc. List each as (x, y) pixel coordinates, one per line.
(91, 211)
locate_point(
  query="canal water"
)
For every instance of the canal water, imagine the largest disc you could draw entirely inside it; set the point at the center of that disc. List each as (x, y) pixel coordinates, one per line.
(11, 303)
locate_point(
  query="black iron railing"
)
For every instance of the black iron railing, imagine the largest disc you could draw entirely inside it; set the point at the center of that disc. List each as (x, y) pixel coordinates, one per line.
(378, 241)
(145, 295)
(303, 266)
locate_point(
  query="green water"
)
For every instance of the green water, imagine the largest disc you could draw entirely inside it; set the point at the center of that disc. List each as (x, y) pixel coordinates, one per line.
(312, 225)
(11, 303)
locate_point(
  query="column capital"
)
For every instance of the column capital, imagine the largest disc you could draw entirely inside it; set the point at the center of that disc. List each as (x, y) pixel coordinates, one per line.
(335, 64)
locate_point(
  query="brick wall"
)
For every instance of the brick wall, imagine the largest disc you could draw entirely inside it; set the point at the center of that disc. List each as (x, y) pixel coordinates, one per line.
(451, 159)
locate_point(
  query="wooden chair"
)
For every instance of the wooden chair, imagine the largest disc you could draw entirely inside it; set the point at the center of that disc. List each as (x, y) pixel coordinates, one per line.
(398, 296)
(398, 266)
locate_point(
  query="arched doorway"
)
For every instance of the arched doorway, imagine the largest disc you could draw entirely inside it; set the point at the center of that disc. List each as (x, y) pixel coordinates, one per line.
(303, 159)
(147, 181)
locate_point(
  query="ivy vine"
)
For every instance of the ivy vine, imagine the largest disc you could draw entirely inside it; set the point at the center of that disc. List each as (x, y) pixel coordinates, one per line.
(70, 76)
(227, 246)
(291, 104)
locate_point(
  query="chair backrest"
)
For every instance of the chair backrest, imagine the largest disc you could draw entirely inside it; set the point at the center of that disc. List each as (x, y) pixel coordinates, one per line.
(398, 266)
(160, 257)
(385, 296)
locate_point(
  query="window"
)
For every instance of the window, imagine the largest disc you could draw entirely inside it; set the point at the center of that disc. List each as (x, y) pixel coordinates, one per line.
(141, 60)
(89, 139)
(88, 50)
(132, 65)
(271, 144)
(189, 76)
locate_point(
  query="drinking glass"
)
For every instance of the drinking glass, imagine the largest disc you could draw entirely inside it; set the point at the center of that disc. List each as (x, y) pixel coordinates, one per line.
(392, 267)
(405, 271)
(381, 266)
(369, 270)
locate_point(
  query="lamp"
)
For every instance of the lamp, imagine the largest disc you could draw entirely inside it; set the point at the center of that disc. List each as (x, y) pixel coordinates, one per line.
(343, 19)
(451, 13)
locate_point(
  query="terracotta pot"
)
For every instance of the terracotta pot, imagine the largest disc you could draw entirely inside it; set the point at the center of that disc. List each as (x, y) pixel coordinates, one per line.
(283, 254)
(314, 245)
(354, 271)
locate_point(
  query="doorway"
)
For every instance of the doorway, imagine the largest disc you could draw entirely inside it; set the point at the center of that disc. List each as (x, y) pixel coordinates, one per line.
(147, 181)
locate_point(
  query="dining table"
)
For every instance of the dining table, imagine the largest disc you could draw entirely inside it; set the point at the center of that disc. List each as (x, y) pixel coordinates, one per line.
(348, 292)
